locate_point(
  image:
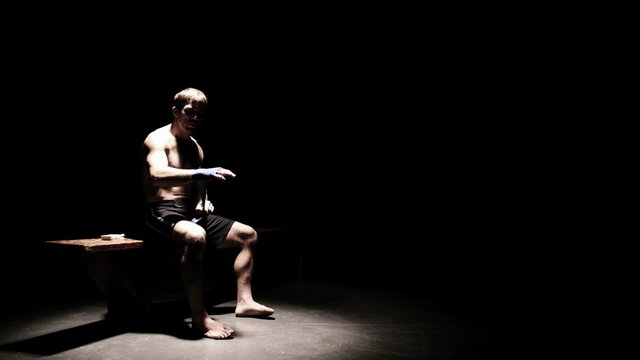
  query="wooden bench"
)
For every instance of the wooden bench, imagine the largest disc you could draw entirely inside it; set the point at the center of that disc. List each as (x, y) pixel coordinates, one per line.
(116, 268)
(99, 245)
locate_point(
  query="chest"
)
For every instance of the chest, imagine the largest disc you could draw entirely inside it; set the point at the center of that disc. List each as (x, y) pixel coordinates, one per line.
(183, 155)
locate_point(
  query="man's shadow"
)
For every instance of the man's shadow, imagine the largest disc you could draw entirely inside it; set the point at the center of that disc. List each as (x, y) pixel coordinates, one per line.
(168, 318)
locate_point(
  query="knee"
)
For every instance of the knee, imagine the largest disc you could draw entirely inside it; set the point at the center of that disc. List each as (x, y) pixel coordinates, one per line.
(196, 238)
(249, 236)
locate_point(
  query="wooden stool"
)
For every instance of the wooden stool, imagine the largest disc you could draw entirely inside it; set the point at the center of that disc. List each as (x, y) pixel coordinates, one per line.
(119, 269)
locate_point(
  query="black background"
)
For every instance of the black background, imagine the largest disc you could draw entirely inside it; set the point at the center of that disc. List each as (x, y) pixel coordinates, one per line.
(395, 168)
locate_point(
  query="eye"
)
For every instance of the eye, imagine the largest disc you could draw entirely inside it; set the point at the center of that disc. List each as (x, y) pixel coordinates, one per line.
(192, 112)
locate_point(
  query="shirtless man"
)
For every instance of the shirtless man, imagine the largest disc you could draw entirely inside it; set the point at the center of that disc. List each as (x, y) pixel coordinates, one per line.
(177, 206)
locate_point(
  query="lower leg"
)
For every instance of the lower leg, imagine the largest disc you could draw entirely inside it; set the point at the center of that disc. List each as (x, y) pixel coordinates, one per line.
(243, 266)
(191, 271)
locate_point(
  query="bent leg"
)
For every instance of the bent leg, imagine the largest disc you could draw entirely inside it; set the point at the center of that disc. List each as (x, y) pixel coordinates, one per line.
(245, 237)
(193, 237)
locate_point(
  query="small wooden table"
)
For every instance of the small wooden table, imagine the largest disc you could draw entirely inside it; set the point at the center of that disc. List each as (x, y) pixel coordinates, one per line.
(97, 244)
(117, 267)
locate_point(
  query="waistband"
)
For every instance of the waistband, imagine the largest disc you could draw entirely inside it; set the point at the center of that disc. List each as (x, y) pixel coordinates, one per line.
(179, 202)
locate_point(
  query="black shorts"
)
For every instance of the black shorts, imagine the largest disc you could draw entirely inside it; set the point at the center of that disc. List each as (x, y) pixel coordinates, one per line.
(162, 216)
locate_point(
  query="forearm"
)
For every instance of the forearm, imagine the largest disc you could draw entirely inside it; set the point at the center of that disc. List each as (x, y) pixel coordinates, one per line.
(166, 176)
(169, 176)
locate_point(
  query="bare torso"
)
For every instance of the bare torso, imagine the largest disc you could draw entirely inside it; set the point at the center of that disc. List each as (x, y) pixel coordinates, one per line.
(178, 154)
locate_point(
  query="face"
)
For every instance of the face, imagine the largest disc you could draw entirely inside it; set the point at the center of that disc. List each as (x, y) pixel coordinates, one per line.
(189, 117)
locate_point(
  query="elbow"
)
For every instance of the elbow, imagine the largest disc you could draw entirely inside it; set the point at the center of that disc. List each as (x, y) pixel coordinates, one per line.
(156, 179)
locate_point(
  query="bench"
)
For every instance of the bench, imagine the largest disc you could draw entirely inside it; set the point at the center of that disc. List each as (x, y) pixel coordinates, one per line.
(99, 245)
(115, 267)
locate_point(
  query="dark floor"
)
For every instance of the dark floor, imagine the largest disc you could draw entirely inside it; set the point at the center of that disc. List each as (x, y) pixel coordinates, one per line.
(313, 320)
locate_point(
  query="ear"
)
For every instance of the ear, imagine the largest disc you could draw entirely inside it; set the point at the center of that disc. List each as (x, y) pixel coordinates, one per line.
(174, 111)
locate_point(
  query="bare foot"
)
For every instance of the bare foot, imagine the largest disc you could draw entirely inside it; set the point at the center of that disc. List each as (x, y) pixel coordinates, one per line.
(253, 309)
(212, 329)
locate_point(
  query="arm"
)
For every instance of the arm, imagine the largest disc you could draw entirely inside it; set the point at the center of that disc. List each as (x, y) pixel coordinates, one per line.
(200, 177)
(203, 205)
(163, 175)
(160, 173)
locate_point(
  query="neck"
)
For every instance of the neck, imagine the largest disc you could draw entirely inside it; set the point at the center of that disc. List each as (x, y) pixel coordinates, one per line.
(178, 132)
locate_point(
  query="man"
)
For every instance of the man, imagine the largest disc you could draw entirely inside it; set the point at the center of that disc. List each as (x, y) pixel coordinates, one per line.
(175, 193)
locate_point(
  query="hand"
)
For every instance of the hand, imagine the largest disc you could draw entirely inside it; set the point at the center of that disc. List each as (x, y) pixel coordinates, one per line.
(208, 207)
(216, 172)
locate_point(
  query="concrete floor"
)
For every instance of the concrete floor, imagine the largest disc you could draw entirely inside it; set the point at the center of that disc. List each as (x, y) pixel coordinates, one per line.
(313, 320)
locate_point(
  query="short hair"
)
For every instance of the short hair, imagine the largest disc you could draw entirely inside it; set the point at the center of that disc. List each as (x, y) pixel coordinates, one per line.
(187, 96)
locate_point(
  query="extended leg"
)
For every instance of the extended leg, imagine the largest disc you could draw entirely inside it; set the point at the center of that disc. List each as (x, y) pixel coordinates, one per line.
(246, 238)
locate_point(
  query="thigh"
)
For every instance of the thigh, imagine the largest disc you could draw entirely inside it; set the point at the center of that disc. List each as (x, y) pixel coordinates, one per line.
(217, 228)
(187, 232)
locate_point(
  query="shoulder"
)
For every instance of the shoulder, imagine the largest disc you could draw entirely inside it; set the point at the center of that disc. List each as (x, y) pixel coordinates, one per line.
(159, 138)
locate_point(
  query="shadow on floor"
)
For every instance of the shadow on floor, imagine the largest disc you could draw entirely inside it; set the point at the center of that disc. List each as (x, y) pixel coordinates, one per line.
(63, 340)
(166, 318)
